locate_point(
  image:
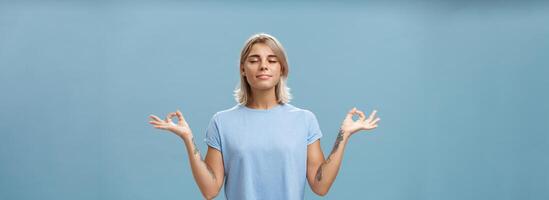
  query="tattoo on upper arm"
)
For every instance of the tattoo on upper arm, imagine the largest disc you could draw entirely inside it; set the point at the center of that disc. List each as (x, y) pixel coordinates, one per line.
(318, 176)
(339, 138)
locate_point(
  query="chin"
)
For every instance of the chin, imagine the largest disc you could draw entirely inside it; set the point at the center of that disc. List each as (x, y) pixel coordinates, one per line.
(263, 86)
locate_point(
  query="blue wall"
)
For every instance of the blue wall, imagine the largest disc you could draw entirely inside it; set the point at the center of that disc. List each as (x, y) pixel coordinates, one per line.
(462, 88)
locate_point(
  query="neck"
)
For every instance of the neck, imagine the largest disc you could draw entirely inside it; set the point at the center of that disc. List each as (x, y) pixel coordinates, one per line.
(263, 99)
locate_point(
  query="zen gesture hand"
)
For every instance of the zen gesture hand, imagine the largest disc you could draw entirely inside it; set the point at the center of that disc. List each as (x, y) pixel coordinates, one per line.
(350, 126)
(181, 129)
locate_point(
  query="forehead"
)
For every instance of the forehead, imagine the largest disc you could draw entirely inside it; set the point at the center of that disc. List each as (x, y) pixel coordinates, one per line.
(261, 49)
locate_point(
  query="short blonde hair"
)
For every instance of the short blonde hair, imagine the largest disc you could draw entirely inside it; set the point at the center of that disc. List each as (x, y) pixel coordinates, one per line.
(243, 91)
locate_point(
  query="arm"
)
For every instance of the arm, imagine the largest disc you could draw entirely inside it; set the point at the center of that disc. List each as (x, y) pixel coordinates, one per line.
(208, 173)
(321, 173)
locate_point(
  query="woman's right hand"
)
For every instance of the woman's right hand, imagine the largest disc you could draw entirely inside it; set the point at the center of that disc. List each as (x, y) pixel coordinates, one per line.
(181, 129)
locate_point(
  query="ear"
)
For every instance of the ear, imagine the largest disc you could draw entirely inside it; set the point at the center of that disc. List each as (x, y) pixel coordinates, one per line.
(242, 71)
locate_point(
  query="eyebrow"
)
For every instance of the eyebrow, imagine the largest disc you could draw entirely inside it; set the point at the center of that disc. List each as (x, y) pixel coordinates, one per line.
(257, 56)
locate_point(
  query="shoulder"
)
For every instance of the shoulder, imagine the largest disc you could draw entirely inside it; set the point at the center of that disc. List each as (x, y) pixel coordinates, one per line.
(294, 109)
(226, 113)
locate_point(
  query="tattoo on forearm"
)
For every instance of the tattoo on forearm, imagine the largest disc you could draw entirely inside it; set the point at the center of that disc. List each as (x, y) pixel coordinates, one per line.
(197, 152)
(339, 138)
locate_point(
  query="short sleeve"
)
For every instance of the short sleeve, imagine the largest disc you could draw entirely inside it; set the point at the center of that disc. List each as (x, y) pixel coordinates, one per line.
(314, 132)
(212, 135)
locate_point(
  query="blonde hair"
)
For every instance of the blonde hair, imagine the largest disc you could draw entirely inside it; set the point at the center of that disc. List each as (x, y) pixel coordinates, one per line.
(242, 93)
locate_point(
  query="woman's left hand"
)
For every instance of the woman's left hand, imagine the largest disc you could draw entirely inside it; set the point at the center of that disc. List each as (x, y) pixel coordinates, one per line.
(349, 126)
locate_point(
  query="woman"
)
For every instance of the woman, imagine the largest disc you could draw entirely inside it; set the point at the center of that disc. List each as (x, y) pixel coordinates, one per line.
(264, 147)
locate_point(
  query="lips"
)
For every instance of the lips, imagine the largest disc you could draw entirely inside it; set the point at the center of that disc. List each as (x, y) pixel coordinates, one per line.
(263, 76)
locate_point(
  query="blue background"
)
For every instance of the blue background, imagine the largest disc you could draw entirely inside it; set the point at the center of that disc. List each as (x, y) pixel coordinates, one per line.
(462, 88)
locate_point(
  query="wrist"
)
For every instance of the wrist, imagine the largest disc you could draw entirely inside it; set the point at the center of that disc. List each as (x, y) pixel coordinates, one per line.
(345, 134)
(186, 137)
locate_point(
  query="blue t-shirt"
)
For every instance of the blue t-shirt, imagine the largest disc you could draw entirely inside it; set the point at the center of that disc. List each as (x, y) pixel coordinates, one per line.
(264, 151)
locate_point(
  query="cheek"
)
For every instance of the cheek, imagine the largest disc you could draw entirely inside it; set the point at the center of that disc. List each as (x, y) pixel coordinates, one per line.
(248, 69)
(277, 73)
(278, 70)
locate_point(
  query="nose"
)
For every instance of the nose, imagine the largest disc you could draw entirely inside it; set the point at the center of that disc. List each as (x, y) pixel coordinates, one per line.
(263, 67)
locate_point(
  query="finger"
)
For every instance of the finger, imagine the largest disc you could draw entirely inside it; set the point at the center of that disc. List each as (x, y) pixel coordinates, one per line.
(375, 121)
(180, 118)
(369, 126)
(361, 115)
(169, 117)
(350, 114)
(161, 127)
(372, 115)
(156, 123)
(154, 117)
